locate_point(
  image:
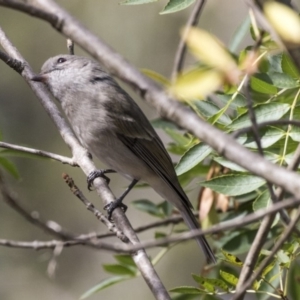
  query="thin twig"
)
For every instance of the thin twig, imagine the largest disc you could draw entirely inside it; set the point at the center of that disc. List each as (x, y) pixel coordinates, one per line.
(284, 236)
(90, 206)
(181, 49)
(60, 158)
(50, 227)
(70, 45)
(266, 223)
(126, 248)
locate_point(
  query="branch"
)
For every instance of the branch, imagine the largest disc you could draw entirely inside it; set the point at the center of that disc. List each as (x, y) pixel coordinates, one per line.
(166, 106)
(50, 227)
(60, 158)
(181, 49)
(82, 159)
(90, 206)
(126, 248)
(284, 236)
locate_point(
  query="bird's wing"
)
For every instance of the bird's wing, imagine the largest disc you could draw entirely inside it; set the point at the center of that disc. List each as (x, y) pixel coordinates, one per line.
(143, 141)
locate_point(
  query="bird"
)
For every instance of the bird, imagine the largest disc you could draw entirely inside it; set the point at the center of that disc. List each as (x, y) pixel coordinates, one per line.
(112, 127)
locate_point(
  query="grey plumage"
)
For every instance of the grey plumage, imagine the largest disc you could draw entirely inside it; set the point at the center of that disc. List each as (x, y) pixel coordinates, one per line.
(113, 128)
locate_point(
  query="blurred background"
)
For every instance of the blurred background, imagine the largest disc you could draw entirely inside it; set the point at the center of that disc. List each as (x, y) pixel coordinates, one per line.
(148, 40)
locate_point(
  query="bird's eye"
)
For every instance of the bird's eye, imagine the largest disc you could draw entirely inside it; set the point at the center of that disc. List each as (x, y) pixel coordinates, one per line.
(61, 60)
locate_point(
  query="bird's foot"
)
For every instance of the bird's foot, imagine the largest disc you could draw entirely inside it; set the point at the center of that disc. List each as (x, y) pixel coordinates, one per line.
(113, 205)
(98, 173)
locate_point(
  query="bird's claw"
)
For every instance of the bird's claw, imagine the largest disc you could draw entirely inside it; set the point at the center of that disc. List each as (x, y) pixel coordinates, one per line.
(95, 174)
(110, 207)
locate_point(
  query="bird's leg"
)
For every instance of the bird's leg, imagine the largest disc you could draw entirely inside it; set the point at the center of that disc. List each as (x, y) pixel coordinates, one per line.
(118, 202)
(98, 173)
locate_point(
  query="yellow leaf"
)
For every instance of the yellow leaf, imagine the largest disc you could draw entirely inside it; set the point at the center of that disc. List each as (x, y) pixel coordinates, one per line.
(197, 84)
(157, 77)
(210, 50)
(284, 20)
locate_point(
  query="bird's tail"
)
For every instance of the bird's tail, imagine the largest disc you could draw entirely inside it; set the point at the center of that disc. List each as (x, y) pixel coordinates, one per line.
(192, 222)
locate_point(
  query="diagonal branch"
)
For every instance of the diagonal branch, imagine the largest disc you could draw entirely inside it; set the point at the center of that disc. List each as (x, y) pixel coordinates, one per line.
(81, 157)
(166, 106)
(284, 236)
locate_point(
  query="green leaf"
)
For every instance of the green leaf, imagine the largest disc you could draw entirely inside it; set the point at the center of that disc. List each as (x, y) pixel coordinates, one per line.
(275, 63)
(192, 157)
(187, 290)
(148, 207)
(230, 278)
(208, 109)
(264, 201)
(239, 34)
(262, 83)
(283, 81)
(289, 67)
(211, 283)
(294, 280)
(177, 137)
(9, 167)
(239, 100)
(268, 137)
(156, 76)
(119, 269)
(159, 235)
(134, 2)
(166, 207)
(176, 5)
(272, 277)
(240, 241)
(125, 259)
(163, 124)
(232, 259)
(263, 112)
(104, 284)
(229, 164)
(234, 184)
(268, 268)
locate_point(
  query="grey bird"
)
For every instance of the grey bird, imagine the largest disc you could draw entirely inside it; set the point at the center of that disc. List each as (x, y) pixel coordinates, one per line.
(111, 126)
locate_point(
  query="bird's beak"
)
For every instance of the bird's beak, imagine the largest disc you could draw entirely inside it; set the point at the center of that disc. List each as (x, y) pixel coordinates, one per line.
(40, 78)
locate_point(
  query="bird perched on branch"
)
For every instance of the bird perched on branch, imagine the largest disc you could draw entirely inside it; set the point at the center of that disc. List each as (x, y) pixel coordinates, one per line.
(112, 127)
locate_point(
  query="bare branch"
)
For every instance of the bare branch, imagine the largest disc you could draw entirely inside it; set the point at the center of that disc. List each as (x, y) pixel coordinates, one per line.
(83, 160)
(50, 227)
(13, 63)
(90, 206)
(181, 49)
(284, 236)
(60, 158)
(127, 248)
